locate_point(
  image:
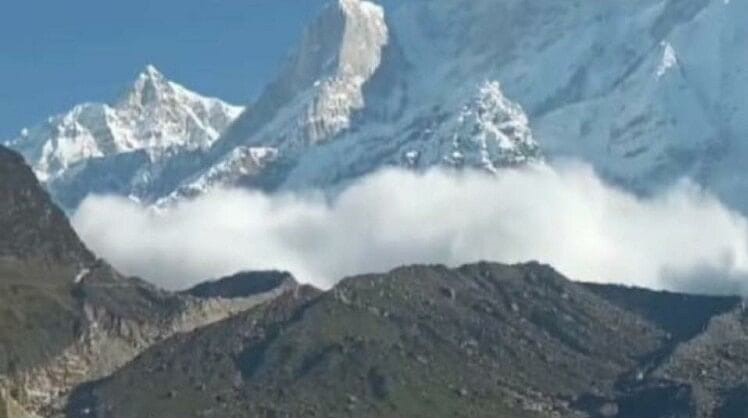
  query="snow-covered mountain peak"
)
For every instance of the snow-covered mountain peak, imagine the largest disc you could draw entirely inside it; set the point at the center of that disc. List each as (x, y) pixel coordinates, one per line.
(155, 116)
(152, 72)
(364, 36)
(165, 115)
(321, 86)
(359, 54)
(152, 88)
(149, 87)
(344, 42)
(493, 132)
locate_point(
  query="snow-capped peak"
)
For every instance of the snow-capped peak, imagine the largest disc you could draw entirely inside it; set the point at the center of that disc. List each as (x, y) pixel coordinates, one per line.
(322, 84)
(152, 71)
(165, 115)
(364, 37)
(358, 56)
(152, 74)
(155, 115)
(494, 130)
(151, 85)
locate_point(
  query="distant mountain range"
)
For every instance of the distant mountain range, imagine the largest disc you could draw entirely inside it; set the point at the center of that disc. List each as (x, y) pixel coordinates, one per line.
(647, 90)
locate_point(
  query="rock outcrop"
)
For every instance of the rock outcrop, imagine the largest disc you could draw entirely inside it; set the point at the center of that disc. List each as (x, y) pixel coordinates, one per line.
(428, 341)
(68, 318)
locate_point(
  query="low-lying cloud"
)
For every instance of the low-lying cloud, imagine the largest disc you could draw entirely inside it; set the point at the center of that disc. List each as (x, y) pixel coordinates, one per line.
(682, 239)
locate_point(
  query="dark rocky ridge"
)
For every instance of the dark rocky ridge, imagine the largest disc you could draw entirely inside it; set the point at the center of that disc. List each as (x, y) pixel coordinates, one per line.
(427, 341)
(683, 316)
(66, 317)
(31, 226)
(243, 284)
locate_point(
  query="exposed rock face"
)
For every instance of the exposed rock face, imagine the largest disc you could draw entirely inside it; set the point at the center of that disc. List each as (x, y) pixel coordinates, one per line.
(108, 338)
(713, 366)
(30, 225)
(68, 318)
(428, 341)
(9, 408)
(244, 285)
(339, 53)
(322, 84)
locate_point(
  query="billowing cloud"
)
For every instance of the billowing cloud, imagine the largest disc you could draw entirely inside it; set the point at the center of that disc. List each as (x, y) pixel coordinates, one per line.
(682, 239)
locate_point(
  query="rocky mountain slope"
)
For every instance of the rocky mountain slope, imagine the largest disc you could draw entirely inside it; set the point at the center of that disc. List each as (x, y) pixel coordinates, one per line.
(32, 226)
(428, 341)
(243, 285)
(67, 317)
(100, 148)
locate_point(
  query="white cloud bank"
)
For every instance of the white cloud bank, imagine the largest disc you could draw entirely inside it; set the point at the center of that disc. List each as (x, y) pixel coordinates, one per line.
(683, 239)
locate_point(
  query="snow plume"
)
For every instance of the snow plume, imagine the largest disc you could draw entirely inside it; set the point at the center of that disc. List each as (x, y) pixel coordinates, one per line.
(682, 239)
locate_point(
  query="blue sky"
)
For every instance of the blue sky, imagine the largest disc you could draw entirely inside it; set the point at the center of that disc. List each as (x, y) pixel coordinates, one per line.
(55, 54)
